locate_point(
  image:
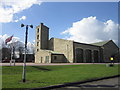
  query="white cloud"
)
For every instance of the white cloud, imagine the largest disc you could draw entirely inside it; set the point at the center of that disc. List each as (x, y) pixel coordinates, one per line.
(11, 7)
(30, 47)
(22, 18)
(16, 42)
(90, 30)
(5, 36)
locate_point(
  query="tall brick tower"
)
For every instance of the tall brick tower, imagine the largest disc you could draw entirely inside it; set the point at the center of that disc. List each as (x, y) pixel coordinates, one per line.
(42, 37)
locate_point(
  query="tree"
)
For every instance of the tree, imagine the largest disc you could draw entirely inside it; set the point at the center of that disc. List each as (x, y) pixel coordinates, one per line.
(6, 53)
(21, 50)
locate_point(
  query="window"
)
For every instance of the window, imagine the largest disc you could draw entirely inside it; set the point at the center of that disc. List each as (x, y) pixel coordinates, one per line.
(55, 57)
(37, 36)
(37, 50)
(38, 30)
(41, 61)
(37, 43)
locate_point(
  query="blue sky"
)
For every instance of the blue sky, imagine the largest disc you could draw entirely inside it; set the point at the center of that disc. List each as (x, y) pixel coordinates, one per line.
(59, 16)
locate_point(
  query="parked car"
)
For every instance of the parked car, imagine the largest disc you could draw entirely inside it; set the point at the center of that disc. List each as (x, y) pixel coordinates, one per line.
(6, 61)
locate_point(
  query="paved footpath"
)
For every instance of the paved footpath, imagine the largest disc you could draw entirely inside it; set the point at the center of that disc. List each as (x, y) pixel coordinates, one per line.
(106, 84)
(40, 64)
(45, 64)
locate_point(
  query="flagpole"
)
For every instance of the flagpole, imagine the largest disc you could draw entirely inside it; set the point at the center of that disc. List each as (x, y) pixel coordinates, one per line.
(11, 54)
(6, 41)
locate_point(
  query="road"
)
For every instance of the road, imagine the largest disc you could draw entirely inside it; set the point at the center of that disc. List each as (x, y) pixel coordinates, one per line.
(107, 84)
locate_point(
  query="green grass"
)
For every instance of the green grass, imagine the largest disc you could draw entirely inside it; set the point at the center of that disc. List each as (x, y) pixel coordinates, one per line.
(40, 76)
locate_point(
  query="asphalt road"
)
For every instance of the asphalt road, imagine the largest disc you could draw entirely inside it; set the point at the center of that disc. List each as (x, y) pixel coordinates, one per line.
(107, 84)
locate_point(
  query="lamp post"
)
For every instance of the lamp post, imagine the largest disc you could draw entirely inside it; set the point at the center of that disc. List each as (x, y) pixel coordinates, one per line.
(24, 64)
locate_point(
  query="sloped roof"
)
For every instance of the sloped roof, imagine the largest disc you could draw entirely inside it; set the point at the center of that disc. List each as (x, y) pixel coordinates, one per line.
(100, 43)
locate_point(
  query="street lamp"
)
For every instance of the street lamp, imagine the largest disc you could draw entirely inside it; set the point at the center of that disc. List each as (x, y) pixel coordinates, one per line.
(24, 65)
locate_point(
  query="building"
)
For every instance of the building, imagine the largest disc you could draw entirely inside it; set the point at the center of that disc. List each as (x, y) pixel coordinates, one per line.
(67, 51)
(16, 55)
(29, 58)
(5, 54)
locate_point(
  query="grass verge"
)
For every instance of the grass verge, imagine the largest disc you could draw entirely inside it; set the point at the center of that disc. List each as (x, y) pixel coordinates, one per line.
(40, 76)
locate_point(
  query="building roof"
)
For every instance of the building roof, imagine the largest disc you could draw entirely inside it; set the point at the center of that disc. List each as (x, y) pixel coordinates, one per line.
(87, 44)
(100, 43)
(53, 52)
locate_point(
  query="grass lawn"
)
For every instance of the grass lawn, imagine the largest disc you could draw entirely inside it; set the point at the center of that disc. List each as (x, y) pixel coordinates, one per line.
(40, 76)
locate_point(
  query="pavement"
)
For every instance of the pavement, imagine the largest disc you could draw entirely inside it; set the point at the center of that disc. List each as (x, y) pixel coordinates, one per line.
(106, 84)
(46, 64)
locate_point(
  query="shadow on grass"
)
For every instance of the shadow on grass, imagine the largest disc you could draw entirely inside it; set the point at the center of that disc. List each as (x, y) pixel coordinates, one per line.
(31, 81)
(41, 68)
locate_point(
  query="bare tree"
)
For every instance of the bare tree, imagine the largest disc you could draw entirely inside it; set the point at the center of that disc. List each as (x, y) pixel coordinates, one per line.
(21, 50)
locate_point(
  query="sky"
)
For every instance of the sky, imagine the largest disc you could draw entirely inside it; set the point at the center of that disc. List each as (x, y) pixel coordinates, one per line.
(85, 22)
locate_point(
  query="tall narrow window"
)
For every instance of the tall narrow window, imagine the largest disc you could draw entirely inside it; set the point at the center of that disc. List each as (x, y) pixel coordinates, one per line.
(38, 30)
(37, 43)
(37, 50)
(37, 36)
(55, 57)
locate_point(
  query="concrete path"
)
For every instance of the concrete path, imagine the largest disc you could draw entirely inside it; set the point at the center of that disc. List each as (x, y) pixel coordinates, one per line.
(46, 64)
(107, 84)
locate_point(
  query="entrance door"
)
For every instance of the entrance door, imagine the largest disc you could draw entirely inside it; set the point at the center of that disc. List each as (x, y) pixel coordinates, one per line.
(47, 59)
